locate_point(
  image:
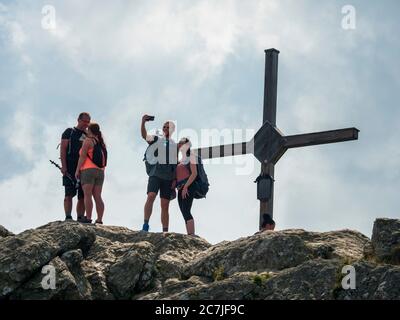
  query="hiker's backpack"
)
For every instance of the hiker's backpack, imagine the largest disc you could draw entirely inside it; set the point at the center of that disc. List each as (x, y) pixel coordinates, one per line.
(153, 167)
(99, 155)
(150, 159)
(201, 184)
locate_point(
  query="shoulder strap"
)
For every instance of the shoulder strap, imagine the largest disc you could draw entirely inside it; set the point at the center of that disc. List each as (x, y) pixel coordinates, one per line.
(69, 140)
(94, 144)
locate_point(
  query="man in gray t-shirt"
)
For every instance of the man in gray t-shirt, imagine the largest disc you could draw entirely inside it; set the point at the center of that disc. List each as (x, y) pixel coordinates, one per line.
(161, 161)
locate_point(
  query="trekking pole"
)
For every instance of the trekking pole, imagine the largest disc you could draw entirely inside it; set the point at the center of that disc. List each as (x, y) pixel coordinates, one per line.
(74, 182)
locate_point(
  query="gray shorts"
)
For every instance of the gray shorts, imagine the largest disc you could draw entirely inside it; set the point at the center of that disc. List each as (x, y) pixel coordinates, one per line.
(92, 176)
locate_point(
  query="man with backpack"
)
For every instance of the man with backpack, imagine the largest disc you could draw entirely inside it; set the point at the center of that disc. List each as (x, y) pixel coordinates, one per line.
(71, 143)
(161, 160)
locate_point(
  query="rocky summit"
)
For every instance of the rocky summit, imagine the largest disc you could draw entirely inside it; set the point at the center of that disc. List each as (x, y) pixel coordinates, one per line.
(68, 260)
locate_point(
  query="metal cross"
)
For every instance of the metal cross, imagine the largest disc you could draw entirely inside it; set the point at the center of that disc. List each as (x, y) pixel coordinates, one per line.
(269, 143)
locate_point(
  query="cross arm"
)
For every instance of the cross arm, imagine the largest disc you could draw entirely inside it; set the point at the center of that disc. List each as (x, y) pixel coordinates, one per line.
(225, 150)
(325, 137)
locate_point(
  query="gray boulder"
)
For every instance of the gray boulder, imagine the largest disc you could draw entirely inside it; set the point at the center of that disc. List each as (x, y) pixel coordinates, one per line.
(24, 255)
(66, 287)
(386, 240)
(373, 282)
(274, 251)
(4, 232)
(133, 272)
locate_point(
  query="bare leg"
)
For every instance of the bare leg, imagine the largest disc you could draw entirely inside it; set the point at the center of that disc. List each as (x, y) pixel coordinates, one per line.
(68, 205)
(88, 191)
(99, 202)
(190, 227)
(148, 207)
(80, 207)
(165, 213)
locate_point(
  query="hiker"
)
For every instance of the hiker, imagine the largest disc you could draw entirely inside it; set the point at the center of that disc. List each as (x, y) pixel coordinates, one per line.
(71, 143)
(90, 171)
(161, 161)
(268, 223)
(186, 174)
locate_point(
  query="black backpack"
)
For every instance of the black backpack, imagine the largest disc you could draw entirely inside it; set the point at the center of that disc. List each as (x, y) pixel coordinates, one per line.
(99, 155)
(201, 184)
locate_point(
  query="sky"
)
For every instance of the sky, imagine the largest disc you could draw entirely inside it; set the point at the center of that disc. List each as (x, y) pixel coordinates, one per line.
(201, 64)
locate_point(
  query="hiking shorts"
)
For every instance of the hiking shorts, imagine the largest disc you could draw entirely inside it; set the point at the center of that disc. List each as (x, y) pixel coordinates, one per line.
(71, 190)
(92, 176)
(165, 187)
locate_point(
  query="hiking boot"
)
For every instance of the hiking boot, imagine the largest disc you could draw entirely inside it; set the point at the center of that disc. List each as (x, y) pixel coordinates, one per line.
(146, 227)
(84, 220)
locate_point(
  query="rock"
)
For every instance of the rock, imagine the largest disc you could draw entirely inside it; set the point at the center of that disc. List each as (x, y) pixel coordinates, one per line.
(65, 286)
(373, 282)
(23, 255)
(237, 287)
(5, 233)
(173, 288)
(73, 260)
(386, 240)
(312, 280)
(170, 265)
(133, 272)
(98, 281)
(274, 251)
(108, 262)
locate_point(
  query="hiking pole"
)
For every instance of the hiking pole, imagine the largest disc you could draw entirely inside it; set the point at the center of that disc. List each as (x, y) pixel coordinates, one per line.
(74, 182)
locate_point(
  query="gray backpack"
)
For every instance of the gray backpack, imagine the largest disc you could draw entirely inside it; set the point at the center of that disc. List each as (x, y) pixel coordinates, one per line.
(154, 168)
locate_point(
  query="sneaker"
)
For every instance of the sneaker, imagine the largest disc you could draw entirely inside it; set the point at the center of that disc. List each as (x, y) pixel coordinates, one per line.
(146, 227)
(98, 222)
(68, 218)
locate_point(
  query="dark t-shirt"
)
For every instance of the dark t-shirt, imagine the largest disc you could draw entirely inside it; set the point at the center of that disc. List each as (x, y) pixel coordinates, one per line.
(76, 138)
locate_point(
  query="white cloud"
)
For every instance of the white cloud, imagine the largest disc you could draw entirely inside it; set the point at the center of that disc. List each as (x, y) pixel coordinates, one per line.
(3, 8)
(20, 134)
(169, 53)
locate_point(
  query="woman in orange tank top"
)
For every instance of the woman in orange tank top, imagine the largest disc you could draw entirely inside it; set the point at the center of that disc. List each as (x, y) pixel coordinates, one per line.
(90, 174)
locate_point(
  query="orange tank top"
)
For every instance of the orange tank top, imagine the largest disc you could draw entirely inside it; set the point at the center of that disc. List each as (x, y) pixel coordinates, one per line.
(88, 164)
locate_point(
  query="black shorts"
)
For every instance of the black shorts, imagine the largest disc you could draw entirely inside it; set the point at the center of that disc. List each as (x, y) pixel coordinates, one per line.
(71, 190)
(165, 187)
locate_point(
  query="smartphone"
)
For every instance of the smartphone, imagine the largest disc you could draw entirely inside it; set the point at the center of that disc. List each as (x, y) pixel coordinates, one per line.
(150, 118)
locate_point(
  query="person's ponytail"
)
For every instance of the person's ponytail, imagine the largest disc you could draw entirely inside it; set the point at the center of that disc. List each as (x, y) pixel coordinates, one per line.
(95, 129)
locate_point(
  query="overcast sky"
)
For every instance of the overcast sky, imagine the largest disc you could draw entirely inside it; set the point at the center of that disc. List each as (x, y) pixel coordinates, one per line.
(201, 64)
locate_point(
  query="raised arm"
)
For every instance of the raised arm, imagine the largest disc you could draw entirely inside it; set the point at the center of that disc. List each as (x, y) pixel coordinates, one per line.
(143, 126)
